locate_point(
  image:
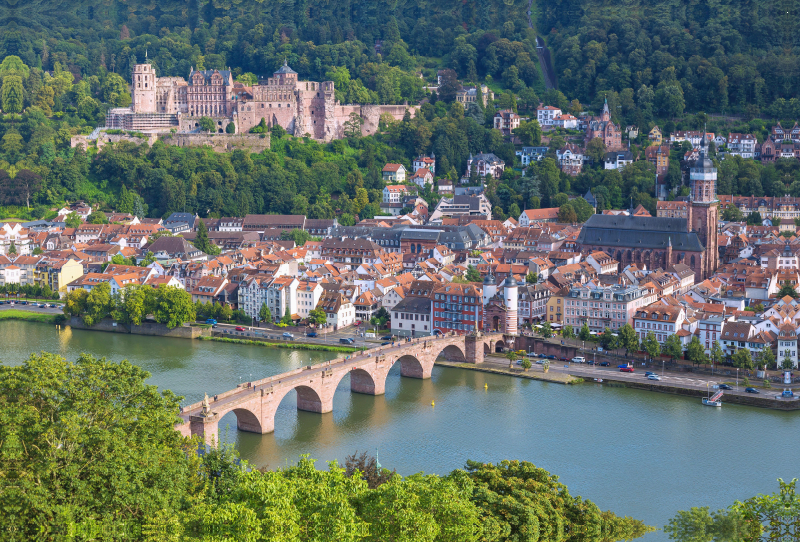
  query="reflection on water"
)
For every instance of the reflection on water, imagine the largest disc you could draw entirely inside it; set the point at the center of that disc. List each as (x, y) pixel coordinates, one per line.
(637, 453)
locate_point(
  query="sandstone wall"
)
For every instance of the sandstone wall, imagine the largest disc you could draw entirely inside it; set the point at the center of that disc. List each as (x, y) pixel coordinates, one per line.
(148, 328)
(253, 143)
(104, 139)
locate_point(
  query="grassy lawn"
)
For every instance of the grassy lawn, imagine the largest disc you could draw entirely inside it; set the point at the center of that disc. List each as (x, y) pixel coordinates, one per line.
(16, 314)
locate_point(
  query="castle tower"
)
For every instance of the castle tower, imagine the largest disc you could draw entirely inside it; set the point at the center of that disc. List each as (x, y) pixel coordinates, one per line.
(704, 209)
(606, 116)
(489, 288)
(143, 89)
(511, 299)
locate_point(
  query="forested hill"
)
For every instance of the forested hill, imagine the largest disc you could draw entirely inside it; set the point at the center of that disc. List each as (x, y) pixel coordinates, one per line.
(727, 55)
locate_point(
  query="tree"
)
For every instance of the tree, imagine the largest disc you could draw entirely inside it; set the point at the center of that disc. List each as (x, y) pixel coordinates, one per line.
(767, 357)
(28, 183)
(287, 317)
(97, 217)
(75, 302)
(568, 332)
(547, 330)
(526, 364)
(133, 304)
(106, 427)
(673, 347)
(787, 289)
(516, 498)
(380, 318)
(695, 352)
(650, 345)
(742, 359)
(12, 249)
(206, 124)
(608, 340)
(12, 94)
(448, 86)
(300, 237)
(531, 278)
(317, 316)
(73, 220)
(529, 132)
(628, 338)
(264, 314)
(717, 354)
(566, 214)
(203, 243)
(510, 355)
(754, 219)
(786, 364)
(732, 213)
(99, 304)
(596, 150)
(353, 126)
(230, 128)
(585, 334)
(173, 306)
(473, 275)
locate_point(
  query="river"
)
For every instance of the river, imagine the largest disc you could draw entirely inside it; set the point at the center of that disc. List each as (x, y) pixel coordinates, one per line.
(636, 453)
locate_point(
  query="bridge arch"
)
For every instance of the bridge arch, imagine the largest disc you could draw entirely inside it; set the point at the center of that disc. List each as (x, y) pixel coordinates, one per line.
(247, 420)
(413, 367)
(452, 352)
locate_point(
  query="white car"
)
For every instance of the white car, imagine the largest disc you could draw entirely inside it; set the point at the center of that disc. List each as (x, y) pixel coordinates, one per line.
(579, 359)
(653, 377)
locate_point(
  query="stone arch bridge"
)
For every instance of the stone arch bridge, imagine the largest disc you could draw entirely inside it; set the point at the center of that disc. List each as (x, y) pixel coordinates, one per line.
(255, 403)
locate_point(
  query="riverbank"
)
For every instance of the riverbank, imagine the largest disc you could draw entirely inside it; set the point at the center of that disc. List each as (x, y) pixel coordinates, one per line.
(556, 378)
(30, 316)
(288, 345)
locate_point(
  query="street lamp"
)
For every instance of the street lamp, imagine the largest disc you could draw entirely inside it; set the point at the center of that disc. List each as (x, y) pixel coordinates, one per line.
(737, 379)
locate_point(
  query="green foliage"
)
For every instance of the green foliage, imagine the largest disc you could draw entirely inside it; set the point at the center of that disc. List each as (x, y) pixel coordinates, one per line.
(473, 275)
(300, 237)
(206, 124)
(529, 132)
(608, 340)
(202, 242)
(628, 338)
(568, 332)
(547, 330)
(732, 214)
(695, 352)
(12, 94)
(72, 430)
(171, 306)
(787, 289)
(518, 501)
(742, 359)
(672, 347)
(73, 220)
(97, 217)
(585, 333)
(264, 314)
(651, 345)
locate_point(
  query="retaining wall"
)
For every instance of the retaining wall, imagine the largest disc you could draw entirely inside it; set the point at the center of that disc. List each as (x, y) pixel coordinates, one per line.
(148, 328)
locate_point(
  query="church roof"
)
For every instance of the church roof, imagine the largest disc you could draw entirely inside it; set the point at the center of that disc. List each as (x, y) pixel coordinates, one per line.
(639, 232)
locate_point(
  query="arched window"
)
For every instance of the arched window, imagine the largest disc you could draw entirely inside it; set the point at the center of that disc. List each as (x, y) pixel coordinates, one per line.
(692, 260)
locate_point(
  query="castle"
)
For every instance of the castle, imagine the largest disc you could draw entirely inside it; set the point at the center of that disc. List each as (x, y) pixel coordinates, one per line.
(162, 104)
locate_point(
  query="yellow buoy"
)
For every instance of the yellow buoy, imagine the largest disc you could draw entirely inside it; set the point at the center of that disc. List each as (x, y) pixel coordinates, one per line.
(486, 386)
(433, 404)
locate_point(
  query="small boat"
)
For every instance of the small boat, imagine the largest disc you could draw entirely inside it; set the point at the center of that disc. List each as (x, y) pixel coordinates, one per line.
(598, 379)
(714, 400)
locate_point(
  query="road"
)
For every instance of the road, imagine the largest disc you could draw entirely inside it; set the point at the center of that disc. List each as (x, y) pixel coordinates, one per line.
(30, 308)
(683, 380)
(330, 338)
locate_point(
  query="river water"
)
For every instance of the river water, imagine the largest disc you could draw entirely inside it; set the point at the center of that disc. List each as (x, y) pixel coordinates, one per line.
(636, 453)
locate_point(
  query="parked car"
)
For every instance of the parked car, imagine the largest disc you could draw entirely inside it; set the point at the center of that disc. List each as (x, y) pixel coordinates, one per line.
(346, 340)
(2, 302)
(23, 302)
(239, 328)
(626, 369)
(551, 356)
(387, 338)
(542, 356)
(648, 373)
(751, 390)
(311, 334)
(605, 364)
(540, 361)
(287, 335)
(653, 377)
(384, 344)
(519, 362)
(211, 321)
(787, 393)
(590, 362)
(725, 387)
(42, 306)
(578, 359)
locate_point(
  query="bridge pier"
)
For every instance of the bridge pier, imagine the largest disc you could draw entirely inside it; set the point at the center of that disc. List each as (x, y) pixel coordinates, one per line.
(206, 426)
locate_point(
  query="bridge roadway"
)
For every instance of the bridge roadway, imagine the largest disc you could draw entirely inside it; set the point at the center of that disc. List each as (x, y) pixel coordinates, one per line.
(255, 403)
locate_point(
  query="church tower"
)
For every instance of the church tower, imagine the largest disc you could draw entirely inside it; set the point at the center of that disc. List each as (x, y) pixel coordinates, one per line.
(704, 210)
(606, 116)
